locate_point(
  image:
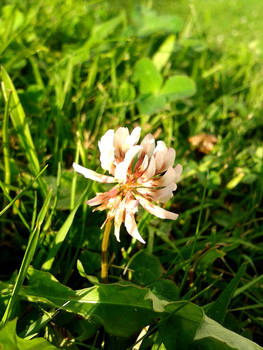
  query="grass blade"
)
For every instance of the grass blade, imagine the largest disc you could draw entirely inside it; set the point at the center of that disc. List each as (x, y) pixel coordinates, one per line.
(20, 124)
(218, 309)
(22, 192)
(61, 234)
(6, 144)
(247, 286)
(28, 256)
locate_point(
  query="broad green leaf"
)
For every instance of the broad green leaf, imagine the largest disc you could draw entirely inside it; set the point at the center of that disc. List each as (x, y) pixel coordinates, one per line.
(165, 289)
(146, 268)
(124, 309)
(21, 126)
(178, 329)
(150, 104)
(178, 86)
(148, 77)
(163, 54)
(218, 309)
(10, 341)
(126, 92)
(211, 335)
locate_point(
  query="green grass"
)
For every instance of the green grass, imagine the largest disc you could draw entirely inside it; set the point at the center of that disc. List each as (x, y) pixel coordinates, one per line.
(72, 64)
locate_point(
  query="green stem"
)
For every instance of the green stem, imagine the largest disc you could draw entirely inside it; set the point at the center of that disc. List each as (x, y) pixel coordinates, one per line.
(104, 252)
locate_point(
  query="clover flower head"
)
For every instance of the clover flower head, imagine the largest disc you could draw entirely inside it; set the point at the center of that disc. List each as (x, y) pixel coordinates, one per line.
(144, 174)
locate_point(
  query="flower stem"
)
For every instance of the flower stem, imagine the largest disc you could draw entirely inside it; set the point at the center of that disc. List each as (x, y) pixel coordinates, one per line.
(104, 252)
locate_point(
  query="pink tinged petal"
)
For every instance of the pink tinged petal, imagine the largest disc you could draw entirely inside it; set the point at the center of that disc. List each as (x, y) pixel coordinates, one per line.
(141, 165)
(118, 219)
(134, 137)
(98, 199)
(150, 171)
(131, 227)
(106, 197)
(92, 175)
(144, 164)
(155, 210)
(148, 144)
(122, 168)
(107, 150)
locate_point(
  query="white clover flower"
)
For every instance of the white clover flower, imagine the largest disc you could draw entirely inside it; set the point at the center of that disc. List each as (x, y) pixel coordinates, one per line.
(144, 174)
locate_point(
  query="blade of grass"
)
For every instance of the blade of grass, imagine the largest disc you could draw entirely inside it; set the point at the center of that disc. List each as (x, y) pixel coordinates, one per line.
(22, 192)
(247, 286)
(74, 179)
(21, 126)
(61, 234)
(218, 309)
(7, 196)
(195, 239)
(28, 256)
(80, 242)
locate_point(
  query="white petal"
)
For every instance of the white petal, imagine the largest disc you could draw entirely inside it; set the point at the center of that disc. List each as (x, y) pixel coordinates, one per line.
(122, 168)
(160, 155)
(118, 219)
(178, 168)
(167, 178)
(90, 174)
(164, 194)
(131, 227)
(107, 150)
(155, 210)
(172, 175)
(148, 144)
(132, 206)
(170, 158)
(119, 142)
(134, 137)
